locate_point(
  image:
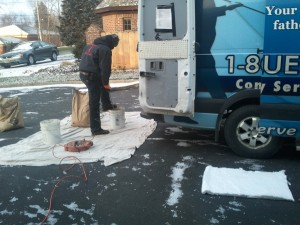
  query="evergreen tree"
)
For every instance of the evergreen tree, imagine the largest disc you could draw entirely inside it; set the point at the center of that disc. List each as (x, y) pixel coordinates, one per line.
(76, 17)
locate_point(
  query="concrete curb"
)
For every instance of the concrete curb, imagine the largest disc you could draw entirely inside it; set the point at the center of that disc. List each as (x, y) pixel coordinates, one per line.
(127, 85)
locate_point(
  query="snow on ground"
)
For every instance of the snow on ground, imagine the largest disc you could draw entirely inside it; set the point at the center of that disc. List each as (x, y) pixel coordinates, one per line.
(24, 70)
(64, 70)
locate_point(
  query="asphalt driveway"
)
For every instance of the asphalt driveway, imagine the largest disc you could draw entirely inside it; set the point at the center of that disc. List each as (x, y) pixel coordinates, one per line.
(136, 191)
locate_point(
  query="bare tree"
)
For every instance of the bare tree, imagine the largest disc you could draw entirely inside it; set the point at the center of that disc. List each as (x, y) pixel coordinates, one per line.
(10, 19)
(7, 20)
(46, 19)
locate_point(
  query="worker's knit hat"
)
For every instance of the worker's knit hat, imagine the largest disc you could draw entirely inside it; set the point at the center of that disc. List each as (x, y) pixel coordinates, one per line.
(111, 40)
(115, 40)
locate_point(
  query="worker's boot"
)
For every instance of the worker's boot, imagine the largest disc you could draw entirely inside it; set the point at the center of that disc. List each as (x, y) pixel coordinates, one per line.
(109, 107)
(100, 132)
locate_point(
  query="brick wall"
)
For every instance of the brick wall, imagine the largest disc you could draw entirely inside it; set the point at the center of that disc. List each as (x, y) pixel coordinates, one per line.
(1, 48)
(125, 55)
(113, 22)
(92, 33)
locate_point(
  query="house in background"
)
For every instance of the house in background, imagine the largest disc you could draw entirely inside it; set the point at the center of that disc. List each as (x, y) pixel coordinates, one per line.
(17, 32)
(12, 35)
(27, 33)
(7, 43)
(119, 17)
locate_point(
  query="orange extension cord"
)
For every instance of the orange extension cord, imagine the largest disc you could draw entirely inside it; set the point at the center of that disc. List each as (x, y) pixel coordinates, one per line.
(84, 178)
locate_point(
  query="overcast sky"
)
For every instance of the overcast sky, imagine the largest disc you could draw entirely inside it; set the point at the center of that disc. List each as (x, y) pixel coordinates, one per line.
(19, 7)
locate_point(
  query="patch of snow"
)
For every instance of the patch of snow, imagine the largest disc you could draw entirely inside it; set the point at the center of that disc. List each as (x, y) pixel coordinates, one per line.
(214, 221)
(173, 130)
(183, 144)
(73, 186)
(24, 70)
(177, 177)
(111, 175)
(14, 199)
(6, 212)
(74, 207)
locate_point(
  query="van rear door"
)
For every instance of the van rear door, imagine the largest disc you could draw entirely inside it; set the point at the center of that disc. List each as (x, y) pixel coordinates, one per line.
(167, 56)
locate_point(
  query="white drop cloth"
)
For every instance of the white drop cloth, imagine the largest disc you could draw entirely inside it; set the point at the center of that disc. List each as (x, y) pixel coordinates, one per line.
(117, 146)
(251, 184)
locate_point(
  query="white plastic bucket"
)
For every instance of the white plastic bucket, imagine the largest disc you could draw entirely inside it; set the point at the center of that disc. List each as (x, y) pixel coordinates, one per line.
(117, 118)
(51, 131)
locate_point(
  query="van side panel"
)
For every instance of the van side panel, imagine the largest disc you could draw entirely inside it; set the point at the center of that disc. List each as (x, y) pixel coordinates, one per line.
(280, 100)
(227, 34)
(244, 45)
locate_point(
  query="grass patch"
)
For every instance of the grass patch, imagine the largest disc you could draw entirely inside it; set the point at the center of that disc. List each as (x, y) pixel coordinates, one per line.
(66, 63)
(65, 50)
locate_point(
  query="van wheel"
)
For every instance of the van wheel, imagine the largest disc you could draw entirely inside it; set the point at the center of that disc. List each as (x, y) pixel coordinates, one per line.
(242, 134)
(30, 60)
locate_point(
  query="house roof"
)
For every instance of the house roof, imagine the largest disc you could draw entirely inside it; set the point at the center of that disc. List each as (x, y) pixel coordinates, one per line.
(13, 31)
(116, 5)
(7, 40)
(30, 30)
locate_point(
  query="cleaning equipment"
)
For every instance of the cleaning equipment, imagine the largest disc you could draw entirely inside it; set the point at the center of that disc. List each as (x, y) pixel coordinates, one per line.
(51, 131)
(78, 145)
(117, 118)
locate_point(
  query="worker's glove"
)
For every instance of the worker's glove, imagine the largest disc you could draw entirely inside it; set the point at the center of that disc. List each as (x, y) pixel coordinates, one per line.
(107, 87)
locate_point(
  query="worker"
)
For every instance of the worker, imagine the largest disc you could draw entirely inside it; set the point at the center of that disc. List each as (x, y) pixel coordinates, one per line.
(95, 71)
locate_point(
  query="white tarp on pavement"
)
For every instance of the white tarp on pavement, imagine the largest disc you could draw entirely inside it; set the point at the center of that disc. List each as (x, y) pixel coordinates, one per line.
(117, 146)
(251, 184)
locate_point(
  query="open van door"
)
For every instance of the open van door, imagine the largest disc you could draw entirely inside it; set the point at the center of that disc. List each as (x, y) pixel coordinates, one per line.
(167, 56)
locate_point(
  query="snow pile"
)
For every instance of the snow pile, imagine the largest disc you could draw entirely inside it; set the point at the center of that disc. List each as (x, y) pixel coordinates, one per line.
(64, 70)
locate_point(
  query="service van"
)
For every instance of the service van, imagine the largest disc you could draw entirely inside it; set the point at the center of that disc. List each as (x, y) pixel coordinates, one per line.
(231, 67)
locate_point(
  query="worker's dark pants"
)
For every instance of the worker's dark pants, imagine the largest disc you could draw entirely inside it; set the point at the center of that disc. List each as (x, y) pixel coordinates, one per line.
(96, 93)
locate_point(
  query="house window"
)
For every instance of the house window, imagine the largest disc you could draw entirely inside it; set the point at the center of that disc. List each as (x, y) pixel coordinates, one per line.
(99, 19)
(127, 24)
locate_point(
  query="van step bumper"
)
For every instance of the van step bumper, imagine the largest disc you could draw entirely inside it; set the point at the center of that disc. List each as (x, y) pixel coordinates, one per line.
(149, 116)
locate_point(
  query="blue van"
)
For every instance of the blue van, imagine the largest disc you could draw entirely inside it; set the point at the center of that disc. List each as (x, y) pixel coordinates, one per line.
(224, 66)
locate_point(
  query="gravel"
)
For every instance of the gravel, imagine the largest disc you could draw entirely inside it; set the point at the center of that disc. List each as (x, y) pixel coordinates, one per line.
(65, 73)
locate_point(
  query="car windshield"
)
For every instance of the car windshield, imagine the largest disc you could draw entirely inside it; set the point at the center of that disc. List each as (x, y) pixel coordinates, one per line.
(23, 46)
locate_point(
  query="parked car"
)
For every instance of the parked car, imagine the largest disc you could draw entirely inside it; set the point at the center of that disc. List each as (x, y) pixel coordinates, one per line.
(29, 53)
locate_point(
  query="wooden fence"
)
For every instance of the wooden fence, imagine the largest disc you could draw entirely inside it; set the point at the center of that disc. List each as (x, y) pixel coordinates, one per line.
(125, 55)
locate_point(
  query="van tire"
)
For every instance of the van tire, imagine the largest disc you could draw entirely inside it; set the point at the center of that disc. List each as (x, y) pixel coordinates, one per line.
(241, 134)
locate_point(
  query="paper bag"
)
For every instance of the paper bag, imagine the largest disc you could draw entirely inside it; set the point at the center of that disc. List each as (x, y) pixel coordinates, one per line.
(11, 116)
(80, 109)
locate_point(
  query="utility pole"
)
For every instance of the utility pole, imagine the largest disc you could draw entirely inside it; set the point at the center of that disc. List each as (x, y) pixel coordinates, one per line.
(38, 19)
(58, 3)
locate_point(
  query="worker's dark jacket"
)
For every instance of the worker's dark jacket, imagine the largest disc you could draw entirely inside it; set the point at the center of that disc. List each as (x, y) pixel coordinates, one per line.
(96, 58)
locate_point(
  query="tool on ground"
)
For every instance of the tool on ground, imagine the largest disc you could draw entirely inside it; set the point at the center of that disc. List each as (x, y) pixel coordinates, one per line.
(78, 145)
